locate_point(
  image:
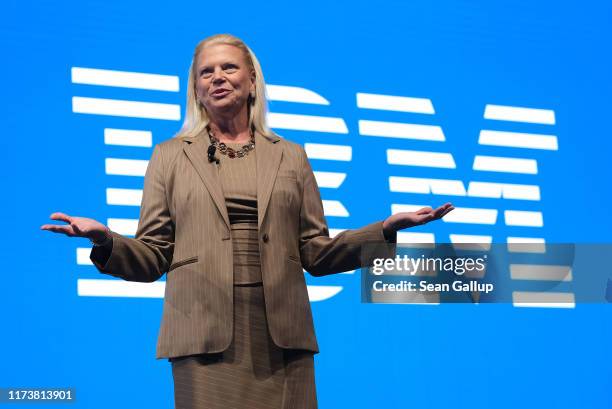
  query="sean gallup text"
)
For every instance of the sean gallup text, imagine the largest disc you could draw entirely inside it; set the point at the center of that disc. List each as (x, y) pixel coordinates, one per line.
(425, 286)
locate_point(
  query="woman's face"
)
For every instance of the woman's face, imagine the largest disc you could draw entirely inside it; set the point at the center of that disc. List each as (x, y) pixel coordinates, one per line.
(224, 79)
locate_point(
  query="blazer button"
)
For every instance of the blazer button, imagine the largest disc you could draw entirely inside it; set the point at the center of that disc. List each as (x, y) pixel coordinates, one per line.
(265, 237)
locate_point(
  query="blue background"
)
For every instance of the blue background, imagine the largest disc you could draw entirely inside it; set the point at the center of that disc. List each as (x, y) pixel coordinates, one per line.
(460, 54)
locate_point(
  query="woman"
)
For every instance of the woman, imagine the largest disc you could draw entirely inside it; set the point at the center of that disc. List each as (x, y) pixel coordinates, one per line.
(232, 212)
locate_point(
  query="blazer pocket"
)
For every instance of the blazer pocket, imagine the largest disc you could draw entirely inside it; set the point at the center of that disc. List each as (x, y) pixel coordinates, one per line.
(183, 262)
(287, 174)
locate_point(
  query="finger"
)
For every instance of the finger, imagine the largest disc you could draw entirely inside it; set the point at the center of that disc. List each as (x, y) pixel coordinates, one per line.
(447, 211)
(61, 216)
(424, 210)
(438, 212)
(442, 210)
(445, 206)
(425, 218)
(64, 229)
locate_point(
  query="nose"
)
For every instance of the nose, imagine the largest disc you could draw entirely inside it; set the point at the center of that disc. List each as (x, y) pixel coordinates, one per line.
(218, 76)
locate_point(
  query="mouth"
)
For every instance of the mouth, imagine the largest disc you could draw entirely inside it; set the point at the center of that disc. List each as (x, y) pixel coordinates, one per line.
(221, 92)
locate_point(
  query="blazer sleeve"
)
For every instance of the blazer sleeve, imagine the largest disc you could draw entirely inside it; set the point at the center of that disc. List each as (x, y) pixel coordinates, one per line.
(350, 249)
(146, 257)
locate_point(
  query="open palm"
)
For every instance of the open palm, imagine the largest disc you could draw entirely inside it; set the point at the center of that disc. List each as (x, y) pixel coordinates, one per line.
(77, 227)
(405, 220)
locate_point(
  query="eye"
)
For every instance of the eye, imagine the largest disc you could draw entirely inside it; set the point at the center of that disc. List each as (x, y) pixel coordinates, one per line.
(205, 72)
(230, 68)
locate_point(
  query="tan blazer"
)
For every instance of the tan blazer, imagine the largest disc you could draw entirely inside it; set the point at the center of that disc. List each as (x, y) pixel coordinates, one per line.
(184, 230)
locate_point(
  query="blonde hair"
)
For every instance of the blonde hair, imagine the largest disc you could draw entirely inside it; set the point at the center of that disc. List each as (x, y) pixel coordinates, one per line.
(196, 117)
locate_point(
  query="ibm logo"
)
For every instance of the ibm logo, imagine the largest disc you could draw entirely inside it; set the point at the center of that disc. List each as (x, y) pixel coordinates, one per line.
(419, 191)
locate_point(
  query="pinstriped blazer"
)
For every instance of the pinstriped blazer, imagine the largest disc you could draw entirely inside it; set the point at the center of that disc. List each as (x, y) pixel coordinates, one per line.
(184, 230)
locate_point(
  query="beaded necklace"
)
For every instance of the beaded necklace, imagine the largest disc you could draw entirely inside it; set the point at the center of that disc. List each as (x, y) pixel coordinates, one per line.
(231, 152)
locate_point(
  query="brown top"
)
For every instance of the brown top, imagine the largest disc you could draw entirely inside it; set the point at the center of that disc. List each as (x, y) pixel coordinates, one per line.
(239, 184)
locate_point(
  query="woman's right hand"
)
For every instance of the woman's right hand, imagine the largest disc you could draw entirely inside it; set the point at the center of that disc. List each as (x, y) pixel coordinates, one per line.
(78, 227)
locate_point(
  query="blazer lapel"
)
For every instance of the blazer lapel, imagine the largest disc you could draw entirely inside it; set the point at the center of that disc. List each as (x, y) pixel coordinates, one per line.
(197, 151)
(268, 156)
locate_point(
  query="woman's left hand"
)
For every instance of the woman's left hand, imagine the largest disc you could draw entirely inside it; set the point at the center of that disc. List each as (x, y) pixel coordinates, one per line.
(405, 220)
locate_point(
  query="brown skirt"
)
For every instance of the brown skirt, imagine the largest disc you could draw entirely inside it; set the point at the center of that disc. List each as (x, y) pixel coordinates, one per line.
(252, 373)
